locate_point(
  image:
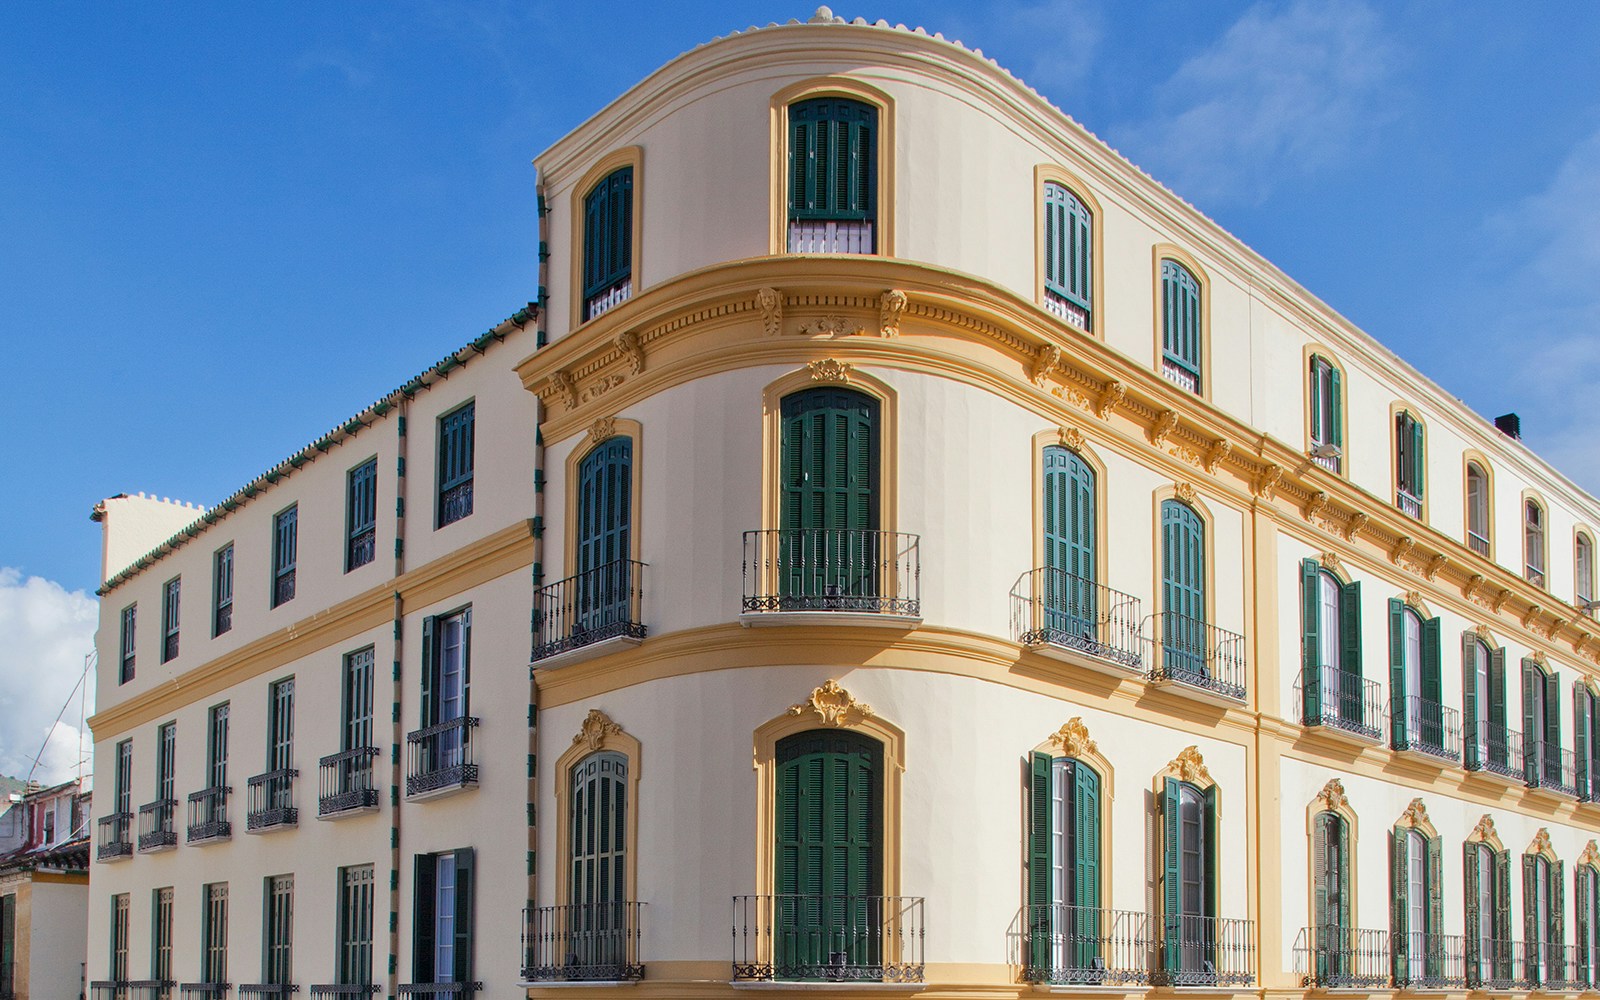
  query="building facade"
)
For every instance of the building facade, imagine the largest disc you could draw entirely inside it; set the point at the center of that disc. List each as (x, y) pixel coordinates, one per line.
(44, 892)
(953, 565)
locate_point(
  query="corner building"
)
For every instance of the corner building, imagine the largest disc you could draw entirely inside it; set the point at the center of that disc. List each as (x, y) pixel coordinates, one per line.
(954, 565)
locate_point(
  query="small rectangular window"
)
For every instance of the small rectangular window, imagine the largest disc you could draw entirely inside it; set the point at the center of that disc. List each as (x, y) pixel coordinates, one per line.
(169, 620)
(285, 538)
(222, 591)
(1477, 509)
(1583, 570)
(1533, 543)
(455, 465)
(125, 671)
(362, 516)
(277, 930)
(355, 925)
(214, 934)
(217, 747)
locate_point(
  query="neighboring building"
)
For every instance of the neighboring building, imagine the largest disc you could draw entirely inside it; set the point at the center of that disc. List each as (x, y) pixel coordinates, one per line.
(44, 893)
(949, 555)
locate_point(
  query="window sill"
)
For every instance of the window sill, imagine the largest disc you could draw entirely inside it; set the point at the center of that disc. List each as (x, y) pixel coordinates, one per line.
(1344, 737)
(855, 619)
(444, 792)
(1104, 664)
(1193, 692)
(592, 651)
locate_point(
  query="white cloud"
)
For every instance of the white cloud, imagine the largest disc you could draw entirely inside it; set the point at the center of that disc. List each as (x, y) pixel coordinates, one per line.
(48, 632)
(1285, 91)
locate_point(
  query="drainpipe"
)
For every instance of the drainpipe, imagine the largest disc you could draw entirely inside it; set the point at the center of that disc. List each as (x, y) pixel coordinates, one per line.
(397, 733)
(541, 310)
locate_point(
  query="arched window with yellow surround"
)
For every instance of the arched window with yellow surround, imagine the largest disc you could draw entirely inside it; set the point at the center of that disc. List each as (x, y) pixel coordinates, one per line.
(1533, 540)
(833, 176)
(1478, 525)
(1068, 256)
(1326, 401)
(1181, 333)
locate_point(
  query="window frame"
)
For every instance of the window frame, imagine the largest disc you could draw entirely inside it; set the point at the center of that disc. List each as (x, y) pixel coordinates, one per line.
(466, 477)
(1414, 484)
(621, 427)
(884, 238)
(1055, 173)
(618, 159)
(161, 906)
(1535, 539)
(1346, 645)
(222, 590)
(1476, 460)
(171, 598)
(285, 555)
(425, 917)
(214, 932)
(357, 885)
(612, 739)
(1315, 355)
(361, 493)
(277, 929)
(128, 643)
(1583, 569)
(1196, 368)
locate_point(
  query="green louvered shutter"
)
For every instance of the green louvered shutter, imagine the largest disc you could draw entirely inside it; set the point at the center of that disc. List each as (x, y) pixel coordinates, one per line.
(1418, 465)
(430, 682)
(1171, 877)
(422, 917)
(1469, 699)
(1581, 925)
(1086, 863)
(1580, 736)
(1397, 672)
(1399, 911)
(1209, 850)
(605, 513)
(1069, 540)
(462, 951)
(1500, 742)
(1532, 933)
(1336, 410)
(832, 160)
(1321, 877)
(1432, 714)
(1068, 235)
(1531, 751)
(1552, 728)
(1318, 366)
(1469, 899)
(1040, 843)
(829, 495)
(1180, 319)
(1433, 941)
(1558, 916)
(1183, 590)
(608, 234)
(1351, 698)
(1310, 627)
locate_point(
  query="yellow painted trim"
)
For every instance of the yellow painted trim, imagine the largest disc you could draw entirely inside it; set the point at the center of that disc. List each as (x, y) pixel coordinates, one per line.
(1533, 496)
(596, 736)
(1395, 409)
(603, 431)
(833, 86)
(1088, 751)
(1310, 351)
(887, 398)
(801, 719)
(60, 878)
(476, 563)
(1056, 438)
(1178, 255)
(1474, 457)
(1044, 173)
(628, 156)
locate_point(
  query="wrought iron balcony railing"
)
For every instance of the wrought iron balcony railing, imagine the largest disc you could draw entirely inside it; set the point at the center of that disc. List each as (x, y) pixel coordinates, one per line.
(270, 804)
(1085, 946)
(1556, 968)
(107, 989)
(1494, 964)
(1425, 726)
(1494, 748)
(1339, 699)
(204, 991)
(1342, 958)
(873, 572)
(603, 603)
(116, 837)
(268, 989)
(828, 938)
(208, 820)
(1051, 607)
(451, 991)
(1410, 506)
(327, 991)
(582, 943)
(158, 825)
(1424, 961)
(1205, 951)
(1198, 654)
(1548, 765)
(345, 781)
(151, 989)
(440, 757)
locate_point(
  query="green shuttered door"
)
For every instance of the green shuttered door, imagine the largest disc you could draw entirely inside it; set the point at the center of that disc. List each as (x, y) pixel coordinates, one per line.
(829, 508)
(1183, 589)
(605, 513)
(1069, 544)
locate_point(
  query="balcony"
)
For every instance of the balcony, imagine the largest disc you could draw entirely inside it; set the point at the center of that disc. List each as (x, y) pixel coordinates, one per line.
(1342, 958)
(158, 825)
(582, 943)
(583, 612)
(1547, 765)
(1337, 701)
(1410, 505)
(327, 991)
(1558, 969)
(203, 991)
(439, 758)
(828, 939)
(345, 783)
(1494, 748)
(268, 989)
(1085, 946)
(106, 989)
(1425, 961)
(604, 301)
(116, 837)
(1495, 964)
(1422, 726)
(1053, 611)
(1198, 656)
(1205, 951)
(833, 576)
(830, 236)
(451, 991)
(270, 803)
(151, 989)
(208, 821)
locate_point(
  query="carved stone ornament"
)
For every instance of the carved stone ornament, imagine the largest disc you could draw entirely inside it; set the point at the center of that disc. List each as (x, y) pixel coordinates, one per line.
(1190, 766)
(1072, 438)
(596, 727)
(1416, 814)
(1332, 797)
(890, 305)
(770, 302)
(1266, 484)
(1403, 548)
(1218, 453)
(1110, 398)
(1435, 565)
(1073, 739)
(831, 326)
(1531, 616)
(1590, 856)
(1555, 627)
(1500, 600)
(1046, 359)
(1542, 660)
(632, 348)
(1317, 506)
(1541, 842)
(1485, 829)
(1184, 492)
(832, 703)
(602, 429)
(1414, 598)
(830, 370)
(1581, 641)
(1165, 424)
(1332, 561)
(1471, 585)
(567, 386)
(1358, 521)
(1485, 634)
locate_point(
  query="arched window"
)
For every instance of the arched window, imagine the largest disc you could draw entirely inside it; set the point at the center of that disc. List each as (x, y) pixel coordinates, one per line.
(598, 880)
(1327, 414)
(1483, 685)
(827, 544)
(1330, 890)
(1588, 936)
(1184, 636)
(1410, 468)
(1188, 884)
(1418, 719)
(1533, 542)
(1068, 587)
(1586, 742)
(1477, 509)
(1416, 915)
(1181, 348)
(1487, 898)
(1541, 727)
(1064, 872)
(604, 573)
(1583, 572)
(833, 176)
(608, 243)
(1332, 687)
(1543, 906)
(1068, 263)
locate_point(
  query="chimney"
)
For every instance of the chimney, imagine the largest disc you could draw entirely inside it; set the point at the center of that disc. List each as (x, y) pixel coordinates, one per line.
(1510, 425)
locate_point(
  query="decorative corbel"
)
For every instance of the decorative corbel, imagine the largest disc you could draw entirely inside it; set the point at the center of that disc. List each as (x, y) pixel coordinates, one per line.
(890, 305)
(1046, 359)
(770, 302)
(1166, 423)
(1217, 454)
(1531, 615)
(1266, 484)
(1500, 600)
(1317, 505)
(567, 386)
(1403, 548)
(1110, 398)
(1358, 522)
(632, 348)
(1435, 565)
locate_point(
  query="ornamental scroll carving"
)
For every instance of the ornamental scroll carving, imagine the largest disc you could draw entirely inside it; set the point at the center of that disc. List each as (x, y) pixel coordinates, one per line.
(1165, 424)
(596, 727)
(1358, 521)
(833, 704)
(632, 348)
(1217, 454)
(1590, 856)
(602, 429)
(1484, 831)
(1266, 484)
(1046, 359)
(1541, 843)
(1190, 766)
(1073, 739)
(830, 370)
(1071, 438)
(1416, 815)
(831, 326)
(770, 302)
(1184, 492)
(1332, 797)
(890, 305)
(1110, 398)
(567, 386)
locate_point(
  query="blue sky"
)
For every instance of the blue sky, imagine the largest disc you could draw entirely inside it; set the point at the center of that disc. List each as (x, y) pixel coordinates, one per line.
(227, 227)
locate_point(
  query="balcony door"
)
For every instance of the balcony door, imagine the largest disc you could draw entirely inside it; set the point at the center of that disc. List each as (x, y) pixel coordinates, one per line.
(595, 926)
(1069, 546)
(1066, 926)
(605, 525)
(1183, 590)
(1189, 933)
(828, 916)
(828, 547)
(1331, 896)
